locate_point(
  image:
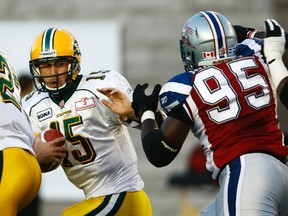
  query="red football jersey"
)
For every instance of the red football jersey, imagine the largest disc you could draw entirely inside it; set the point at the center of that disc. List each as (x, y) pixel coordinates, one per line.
(232, 107)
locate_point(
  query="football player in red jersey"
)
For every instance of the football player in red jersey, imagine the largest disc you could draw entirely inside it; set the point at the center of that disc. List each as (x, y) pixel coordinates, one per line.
(228, 102)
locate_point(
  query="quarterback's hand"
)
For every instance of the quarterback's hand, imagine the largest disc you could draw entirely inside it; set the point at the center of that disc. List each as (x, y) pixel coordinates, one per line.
(274, 41)
(142, 102)
(119, 102)
(50, 151)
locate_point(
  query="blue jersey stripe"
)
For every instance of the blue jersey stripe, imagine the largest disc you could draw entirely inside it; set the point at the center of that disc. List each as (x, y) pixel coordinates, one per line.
(235, 170)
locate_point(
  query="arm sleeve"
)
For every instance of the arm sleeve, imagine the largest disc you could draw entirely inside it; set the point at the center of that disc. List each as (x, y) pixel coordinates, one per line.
(158, 152)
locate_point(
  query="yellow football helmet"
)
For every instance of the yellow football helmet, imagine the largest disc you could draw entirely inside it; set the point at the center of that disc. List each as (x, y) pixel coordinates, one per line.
(54, 44)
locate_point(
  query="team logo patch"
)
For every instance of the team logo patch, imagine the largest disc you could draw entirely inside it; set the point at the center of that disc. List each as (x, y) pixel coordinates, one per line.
(164, 100)
(44, 114)
(85, 103)
(222, 51)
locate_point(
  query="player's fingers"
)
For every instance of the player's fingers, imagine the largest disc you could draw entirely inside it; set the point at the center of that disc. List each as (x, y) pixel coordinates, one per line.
(156, 90)
(58, 159)
(58, 141)
(140, 87)
(278, 26)
(270, 24)
(145, 85)
(114, 91)
(106, 103)
(266, 25)
(61, 149)
(62, 155)
(104, 91)
(275, 23)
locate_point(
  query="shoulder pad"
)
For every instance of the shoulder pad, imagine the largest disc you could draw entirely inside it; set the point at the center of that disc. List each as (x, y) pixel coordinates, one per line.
(97, 75)
(108, 78)
(175, 91)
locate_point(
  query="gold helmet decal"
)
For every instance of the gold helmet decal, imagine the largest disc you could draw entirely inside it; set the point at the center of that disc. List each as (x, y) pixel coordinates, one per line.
(55, 42)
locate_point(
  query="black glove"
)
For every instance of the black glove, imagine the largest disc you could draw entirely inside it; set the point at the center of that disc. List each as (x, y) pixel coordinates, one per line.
(276, 32)
(242, 32)
(272, 28)
(142, 102)
(274, 41)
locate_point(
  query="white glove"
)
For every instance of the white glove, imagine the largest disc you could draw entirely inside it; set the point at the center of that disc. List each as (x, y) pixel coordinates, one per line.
(274, 44)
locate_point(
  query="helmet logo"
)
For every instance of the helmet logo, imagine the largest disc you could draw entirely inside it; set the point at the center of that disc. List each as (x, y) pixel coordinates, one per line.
(76, 48)
(48, 53)
(189, 32)
(222, 51)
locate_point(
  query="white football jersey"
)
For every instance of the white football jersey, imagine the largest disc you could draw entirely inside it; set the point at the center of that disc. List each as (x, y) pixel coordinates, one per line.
(101, 156)
(14, 124)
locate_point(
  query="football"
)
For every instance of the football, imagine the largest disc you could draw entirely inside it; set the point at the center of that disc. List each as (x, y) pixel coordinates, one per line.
(46, 136)
(51, 134)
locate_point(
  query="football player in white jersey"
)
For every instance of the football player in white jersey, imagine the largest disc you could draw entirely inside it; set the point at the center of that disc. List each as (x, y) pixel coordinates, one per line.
(101, 159)
(274, 48)
(20, 174)
(227, 100)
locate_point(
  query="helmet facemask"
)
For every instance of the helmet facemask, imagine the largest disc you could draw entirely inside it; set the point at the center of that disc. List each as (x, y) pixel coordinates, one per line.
(39, 80)
(187, 56)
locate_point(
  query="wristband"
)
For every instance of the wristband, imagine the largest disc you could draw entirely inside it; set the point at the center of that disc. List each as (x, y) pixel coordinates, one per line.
(148, 114)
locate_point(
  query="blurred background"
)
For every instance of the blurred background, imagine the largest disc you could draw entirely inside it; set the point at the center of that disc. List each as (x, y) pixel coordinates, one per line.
(140, 40)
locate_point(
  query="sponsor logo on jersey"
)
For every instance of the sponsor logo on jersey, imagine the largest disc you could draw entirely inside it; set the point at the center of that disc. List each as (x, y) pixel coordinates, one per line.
(85, 103)
(64, 113)
(44, 114)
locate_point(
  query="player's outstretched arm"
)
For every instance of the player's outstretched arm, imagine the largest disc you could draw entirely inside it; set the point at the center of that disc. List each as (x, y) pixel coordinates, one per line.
(119, 103)
(273, 50)
(243, 33)
(161, 144)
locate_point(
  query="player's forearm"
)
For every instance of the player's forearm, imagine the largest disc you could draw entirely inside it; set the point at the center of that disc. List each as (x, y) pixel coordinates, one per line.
(157, 150)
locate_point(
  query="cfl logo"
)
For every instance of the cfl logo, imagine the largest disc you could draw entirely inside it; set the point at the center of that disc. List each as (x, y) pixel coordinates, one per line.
(164, 100)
